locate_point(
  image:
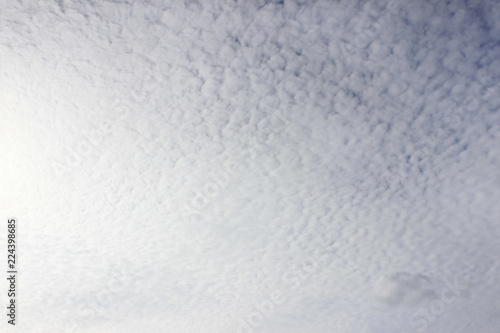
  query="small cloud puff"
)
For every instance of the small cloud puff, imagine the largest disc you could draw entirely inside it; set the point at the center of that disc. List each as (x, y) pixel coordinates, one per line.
(403, 289)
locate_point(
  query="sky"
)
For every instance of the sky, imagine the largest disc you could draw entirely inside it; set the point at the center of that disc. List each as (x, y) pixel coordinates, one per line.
(251, 166)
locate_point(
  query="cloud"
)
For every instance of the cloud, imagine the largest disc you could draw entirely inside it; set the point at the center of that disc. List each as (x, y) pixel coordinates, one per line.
(403, 289)
(234, 129)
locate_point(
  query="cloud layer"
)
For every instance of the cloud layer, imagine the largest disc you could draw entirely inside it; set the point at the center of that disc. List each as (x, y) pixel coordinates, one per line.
(175, 164)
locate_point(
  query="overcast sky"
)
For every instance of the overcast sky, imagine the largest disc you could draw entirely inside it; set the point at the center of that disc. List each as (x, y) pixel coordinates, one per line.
(252, 166)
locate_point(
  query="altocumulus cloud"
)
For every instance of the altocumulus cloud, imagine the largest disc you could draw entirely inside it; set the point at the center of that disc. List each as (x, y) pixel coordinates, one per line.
(372, 123)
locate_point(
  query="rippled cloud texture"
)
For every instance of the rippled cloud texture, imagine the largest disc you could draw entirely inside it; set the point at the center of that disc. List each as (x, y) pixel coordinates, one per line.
(252, 166)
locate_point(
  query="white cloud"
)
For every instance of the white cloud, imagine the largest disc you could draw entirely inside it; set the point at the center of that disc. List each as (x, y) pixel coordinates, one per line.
(373, 124)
